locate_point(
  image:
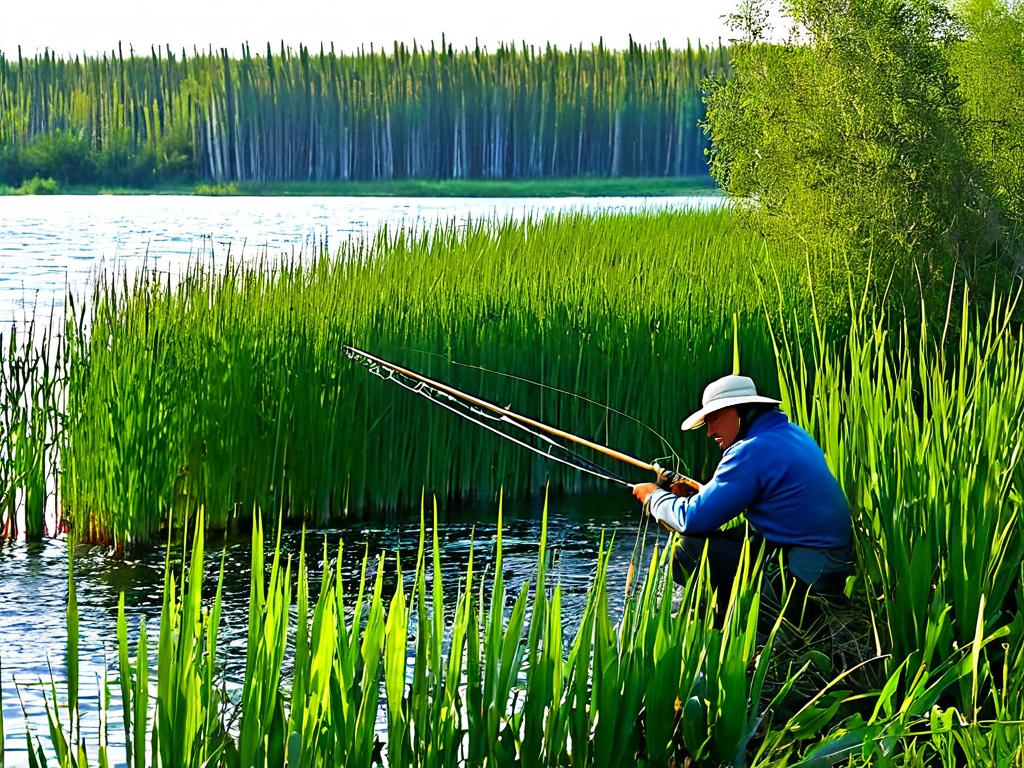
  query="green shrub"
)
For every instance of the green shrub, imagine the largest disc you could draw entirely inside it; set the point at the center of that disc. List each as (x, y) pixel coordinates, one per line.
(216, 189)
(853, 135)
(38, 186)
(989, 65)
(63, 156)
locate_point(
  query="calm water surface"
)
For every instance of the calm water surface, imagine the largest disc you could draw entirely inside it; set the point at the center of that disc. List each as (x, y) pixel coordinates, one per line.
(48, 243)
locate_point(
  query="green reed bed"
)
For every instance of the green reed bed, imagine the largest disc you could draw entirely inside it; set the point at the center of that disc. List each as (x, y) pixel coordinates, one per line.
(229, 390)
(923, 667)
(923, 431)
(402, 678)
(406, 678)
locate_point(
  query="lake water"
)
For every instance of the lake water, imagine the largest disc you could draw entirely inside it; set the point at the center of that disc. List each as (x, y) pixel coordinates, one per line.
(50, 243)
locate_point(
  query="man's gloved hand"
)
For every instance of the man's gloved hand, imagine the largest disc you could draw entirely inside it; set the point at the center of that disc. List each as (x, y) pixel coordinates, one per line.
(643, 490)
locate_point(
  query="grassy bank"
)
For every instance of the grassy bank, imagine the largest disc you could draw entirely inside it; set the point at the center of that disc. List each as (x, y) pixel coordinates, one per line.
(568, 187)
(227, 392)
(493, 679)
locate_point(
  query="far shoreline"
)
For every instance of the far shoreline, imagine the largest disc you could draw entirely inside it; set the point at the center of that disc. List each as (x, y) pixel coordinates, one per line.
(563, 187)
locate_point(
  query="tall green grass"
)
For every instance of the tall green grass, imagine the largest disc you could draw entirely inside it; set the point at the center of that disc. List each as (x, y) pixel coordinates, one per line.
(517, 112)
(229, 390)
(493, 678)
(921, 428)
(482, 681)
(30, 423)
(925, 438)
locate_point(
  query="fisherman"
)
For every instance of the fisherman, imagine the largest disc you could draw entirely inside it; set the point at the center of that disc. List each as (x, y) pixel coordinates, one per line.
(773, 471)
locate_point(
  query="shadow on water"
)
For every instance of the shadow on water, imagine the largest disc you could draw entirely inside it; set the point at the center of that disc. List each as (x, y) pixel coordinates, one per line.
(33, 589)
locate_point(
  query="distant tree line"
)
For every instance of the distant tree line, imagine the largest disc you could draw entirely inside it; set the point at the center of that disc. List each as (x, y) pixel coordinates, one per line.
(439, 113)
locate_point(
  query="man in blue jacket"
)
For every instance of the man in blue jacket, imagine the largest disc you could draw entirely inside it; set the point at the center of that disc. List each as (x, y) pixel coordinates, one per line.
(773, 471)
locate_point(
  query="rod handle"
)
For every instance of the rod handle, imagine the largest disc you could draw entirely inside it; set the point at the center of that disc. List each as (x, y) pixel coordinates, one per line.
(679, 484)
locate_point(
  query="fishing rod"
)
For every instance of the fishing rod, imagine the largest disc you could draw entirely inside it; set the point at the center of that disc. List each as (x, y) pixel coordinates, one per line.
(453, 399)
(664, 441)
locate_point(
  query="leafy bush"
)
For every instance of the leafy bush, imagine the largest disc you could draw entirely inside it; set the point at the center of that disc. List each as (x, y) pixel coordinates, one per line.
(216, 189)
(38, 186)
(176, 156)
(852, 136)
(119, 163)
(63, 156)
(989, 65)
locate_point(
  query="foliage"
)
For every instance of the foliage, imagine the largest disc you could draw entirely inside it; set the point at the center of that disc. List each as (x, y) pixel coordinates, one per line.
(211, 392)
(485, 681)
(38, 186)
(926, 441)
(405, 677)
(30, 421)
(989, 65)
(62, 155)
(219, 189)
(853, 136)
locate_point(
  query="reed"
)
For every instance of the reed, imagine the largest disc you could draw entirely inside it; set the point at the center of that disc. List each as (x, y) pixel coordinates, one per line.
(228, 390)
(30, 423)
(405, 678)
(517, 112)
(488, 682)
(924, 434)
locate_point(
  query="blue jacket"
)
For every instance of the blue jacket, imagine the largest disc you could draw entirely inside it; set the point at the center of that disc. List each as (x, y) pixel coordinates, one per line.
(777, 474)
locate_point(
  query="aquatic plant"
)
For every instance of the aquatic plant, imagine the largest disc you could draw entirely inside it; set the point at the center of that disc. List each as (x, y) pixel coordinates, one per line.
(924, 434)
(229, 390)
(30, 422)
(490, 681)
(494, 678)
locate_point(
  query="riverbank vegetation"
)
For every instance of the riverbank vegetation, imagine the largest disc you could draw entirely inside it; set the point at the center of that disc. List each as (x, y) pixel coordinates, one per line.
(570, 187)
(928, 449)
(229, 390)
(301, 115)
(890, 132)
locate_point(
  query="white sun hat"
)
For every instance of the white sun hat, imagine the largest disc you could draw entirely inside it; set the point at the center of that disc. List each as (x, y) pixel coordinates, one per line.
(723, 392)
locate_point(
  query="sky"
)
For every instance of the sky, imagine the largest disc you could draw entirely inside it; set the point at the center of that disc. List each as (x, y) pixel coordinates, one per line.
(77, 26)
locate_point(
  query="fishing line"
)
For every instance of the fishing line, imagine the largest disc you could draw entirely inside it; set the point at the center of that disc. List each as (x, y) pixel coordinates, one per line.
(487, 415)
(483, 369)
(476, 416)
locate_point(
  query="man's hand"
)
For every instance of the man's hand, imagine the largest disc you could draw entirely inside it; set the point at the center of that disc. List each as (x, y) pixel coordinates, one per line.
(643, 490)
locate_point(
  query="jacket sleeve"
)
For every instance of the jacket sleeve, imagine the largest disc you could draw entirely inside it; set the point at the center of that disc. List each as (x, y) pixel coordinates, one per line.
(732, 489)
